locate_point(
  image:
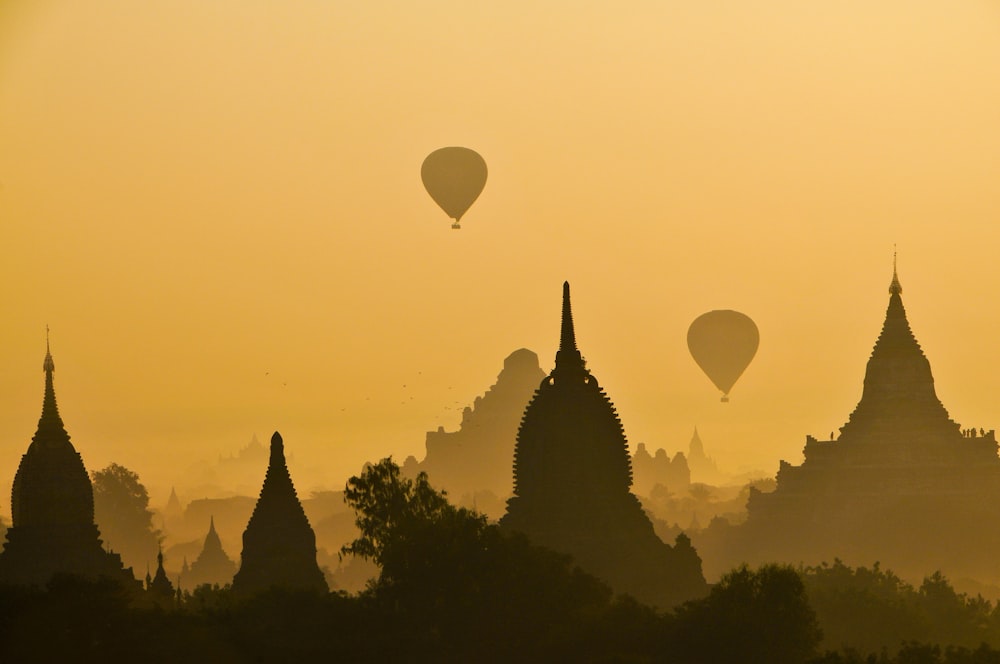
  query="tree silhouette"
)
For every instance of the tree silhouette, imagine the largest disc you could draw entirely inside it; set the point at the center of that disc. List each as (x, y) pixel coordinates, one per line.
(749, 616)
(446, 570)
(121, 510)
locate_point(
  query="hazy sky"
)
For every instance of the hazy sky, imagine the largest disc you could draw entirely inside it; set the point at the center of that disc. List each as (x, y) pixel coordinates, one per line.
(217, 207)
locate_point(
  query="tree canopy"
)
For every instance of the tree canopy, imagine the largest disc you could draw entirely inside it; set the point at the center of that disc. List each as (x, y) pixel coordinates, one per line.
(121, 510)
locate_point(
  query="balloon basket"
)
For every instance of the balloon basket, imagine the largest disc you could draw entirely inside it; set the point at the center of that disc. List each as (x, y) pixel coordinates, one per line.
(456, 226)
(724, 399)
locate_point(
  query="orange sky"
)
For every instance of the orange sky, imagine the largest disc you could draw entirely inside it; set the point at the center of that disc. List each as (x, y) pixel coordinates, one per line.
(217, 208)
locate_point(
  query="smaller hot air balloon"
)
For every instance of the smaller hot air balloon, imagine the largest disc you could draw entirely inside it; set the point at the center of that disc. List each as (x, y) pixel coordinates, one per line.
(454, 177)
(723, 343)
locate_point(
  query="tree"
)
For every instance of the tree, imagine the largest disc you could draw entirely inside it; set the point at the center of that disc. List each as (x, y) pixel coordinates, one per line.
(749, 616)
(121, 510)
(448, 571)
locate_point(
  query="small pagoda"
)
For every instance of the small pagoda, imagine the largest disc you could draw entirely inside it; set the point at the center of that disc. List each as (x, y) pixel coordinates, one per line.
(212, 566)
(158, 588)
(279, 545)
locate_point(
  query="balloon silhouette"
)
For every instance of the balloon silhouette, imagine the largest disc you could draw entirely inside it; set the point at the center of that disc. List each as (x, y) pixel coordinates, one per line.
(723, 343)
(454, 177)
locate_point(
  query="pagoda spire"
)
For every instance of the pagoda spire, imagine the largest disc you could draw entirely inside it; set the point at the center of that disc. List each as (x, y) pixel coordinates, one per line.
(899, 385)
(568, 358)
(50, 425)
(895, 288)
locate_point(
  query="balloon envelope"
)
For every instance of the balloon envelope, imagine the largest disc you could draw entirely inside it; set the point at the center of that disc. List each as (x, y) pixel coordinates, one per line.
(723, 343)
(454, 177)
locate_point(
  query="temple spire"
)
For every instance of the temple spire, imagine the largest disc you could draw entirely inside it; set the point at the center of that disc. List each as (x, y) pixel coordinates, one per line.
(279, 545)
(895, 288)
(50, 425)
(568, 357)
(48, 365)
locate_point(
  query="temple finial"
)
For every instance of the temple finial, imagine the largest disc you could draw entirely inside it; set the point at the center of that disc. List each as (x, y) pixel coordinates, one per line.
(567, 339)
(48, 365)
(894, 288)
(568, 356)
(277, 450)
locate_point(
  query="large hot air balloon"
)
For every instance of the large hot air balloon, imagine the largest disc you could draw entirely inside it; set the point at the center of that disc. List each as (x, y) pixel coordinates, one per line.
(723, 343)
(454, 177)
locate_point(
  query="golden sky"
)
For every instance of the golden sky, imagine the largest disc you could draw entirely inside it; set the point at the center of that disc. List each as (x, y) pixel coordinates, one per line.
(217, 208)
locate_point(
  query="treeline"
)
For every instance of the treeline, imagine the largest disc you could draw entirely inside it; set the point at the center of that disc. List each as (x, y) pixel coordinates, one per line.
(752, 616)
(454, 588)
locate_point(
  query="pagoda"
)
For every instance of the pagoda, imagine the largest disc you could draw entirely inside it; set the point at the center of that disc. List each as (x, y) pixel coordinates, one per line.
(279, 545)
(572, 474)
(158, 588)
(903, 483)
(52, 505)
(212, 566)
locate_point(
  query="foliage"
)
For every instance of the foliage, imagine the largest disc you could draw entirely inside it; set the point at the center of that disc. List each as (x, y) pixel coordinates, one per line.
(869, 610)
(446, 570)
(121, 510)
(749, 616)
(387, 505)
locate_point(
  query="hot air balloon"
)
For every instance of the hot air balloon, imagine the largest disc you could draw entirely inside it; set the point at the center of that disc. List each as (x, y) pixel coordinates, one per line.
(723, 343)
(454, 177)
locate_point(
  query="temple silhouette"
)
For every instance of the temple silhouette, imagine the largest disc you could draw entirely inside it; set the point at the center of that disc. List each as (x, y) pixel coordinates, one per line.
(279, 546)
(702, 467)
(650, 470)
(477, 458)
(212, 565)
(902, 483)
(572, 474)
(158, 588)
(52, 505)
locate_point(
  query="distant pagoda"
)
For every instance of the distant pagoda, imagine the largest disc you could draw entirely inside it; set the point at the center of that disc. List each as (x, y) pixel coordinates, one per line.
(572, 474)
(212, 566)
(902, 484)
(52, 505)
(158, 588)
(279, 546)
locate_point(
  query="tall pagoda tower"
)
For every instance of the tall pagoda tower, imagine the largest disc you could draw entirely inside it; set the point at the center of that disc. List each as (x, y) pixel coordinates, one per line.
(903, 483)
(572, 474)
(279, 545)
(52, 505)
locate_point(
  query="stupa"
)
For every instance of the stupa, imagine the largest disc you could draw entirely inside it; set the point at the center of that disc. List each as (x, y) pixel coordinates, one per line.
(279, 545)
(212, 566)
(52, 505)
(572, 474)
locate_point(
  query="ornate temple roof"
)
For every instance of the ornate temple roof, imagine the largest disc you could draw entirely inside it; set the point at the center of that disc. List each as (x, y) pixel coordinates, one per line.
(212, 566)
(901, 484)
(52, 504)
(898, 387)
(572, 473)
(213, 545)
(570, 434)
(160, 585)
(51, 486)
(279, 545)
